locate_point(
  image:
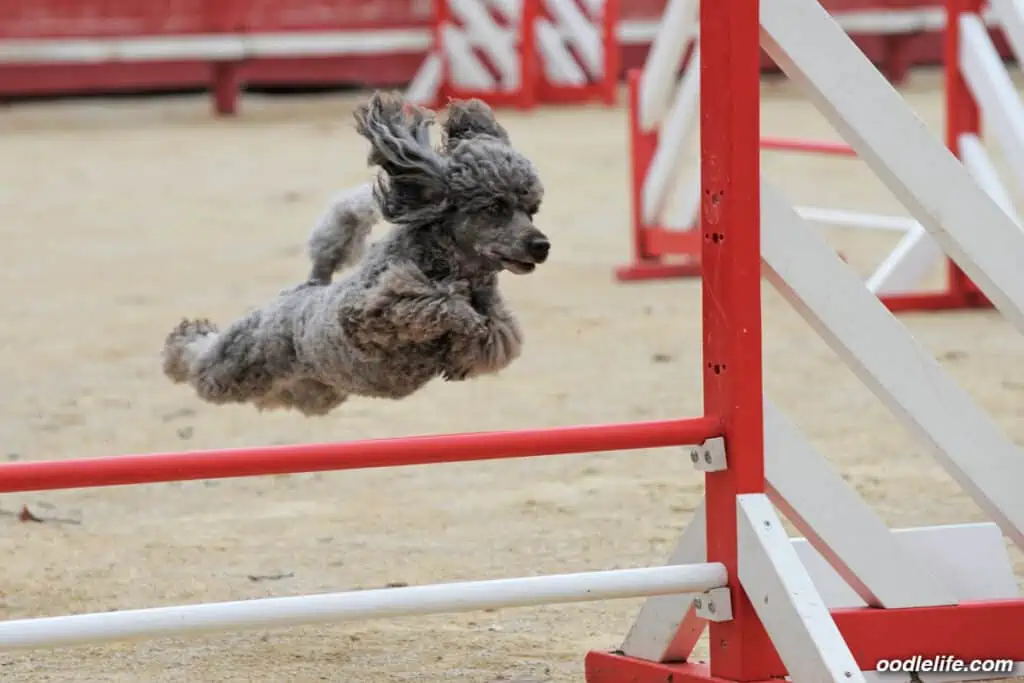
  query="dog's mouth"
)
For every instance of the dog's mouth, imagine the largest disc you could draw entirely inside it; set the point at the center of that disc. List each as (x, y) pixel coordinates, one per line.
(518, 267)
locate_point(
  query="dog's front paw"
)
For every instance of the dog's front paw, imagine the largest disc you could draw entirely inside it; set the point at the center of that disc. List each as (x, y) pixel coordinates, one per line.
(501, 345)
(466, 321)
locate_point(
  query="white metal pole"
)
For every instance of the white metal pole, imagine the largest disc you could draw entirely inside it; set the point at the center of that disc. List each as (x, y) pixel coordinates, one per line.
(83, 629)
(857, 219)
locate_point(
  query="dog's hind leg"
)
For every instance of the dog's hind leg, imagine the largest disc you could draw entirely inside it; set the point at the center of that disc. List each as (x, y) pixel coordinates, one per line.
(313, 398)
(236, 365)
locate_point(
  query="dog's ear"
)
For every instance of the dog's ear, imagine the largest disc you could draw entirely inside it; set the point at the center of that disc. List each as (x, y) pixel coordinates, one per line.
(411, 187)
(468, 119)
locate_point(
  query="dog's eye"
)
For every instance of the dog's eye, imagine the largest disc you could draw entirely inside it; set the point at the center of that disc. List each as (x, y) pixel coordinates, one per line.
(499, 208)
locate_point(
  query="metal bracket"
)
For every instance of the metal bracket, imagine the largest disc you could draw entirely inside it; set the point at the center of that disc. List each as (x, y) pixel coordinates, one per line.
(715, 605)
(710, 455)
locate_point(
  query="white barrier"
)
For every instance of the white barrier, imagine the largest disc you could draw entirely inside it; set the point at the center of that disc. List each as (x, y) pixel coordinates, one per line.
(164, 622)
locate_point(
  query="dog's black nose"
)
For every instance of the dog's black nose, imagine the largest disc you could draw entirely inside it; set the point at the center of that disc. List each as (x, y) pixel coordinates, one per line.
(539, 248)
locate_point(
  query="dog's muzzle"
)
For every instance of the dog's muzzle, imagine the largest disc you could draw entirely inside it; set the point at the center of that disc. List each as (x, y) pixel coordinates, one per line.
(536, 251)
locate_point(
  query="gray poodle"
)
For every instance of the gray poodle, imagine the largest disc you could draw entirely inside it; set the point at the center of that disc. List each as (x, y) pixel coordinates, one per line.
(421, 303)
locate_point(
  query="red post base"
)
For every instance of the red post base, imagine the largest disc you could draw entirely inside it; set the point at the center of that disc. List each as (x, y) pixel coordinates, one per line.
(969, 631)
(609, 667)
(935, 301)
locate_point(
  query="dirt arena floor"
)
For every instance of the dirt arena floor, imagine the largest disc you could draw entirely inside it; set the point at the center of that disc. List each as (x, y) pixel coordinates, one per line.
(120, 217)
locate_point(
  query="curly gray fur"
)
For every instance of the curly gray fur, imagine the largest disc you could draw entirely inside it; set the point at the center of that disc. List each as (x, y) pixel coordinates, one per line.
(421, 303)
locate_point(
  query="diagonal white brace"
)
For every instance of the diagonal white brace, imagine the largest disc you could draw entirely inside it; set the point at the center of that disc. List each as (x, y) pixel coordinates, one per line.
(908, 380)
(814, 51)
(668, 628)
(786, 600)
(993, 90)
(844, 529)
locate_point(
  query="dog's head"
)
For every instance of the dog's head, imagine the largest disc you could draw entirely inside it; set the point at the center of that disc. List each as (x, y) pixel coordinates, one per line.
(477, 184)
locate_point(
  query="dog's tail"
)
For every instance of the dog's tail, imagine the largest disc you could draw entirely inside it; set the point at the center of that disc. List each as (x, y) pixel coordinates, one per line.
(339, 238)
(183, 346)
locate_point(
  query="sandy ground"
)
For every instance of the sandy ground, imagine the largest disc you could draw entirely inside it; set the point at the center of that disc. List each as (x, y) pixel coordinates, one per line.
(120, 217)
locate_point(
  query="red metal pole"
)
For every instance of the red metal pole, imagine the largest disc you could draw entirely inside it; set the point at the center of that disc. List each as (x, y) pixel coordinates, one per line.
(731, 258)
(610, 45)
(642, 146)
(962, 113)
(421, 450)
(808, 146)
(440, 17)
(529, 56)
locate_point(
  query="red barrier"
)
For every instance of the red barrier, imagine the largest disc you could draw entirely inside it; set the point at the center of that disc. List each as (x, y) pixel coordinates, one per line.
(348, 60)
(421, 450)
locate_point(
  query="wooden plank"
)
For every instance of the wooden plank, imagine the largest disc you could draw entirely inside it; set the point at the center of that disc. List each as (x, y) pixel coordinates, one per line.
(864, 558)
(665, 58)
(1009, 14)
(997, 98)
(667, 628)
(858, 545)
(970, 559)
(978, 163)
(913, 258)
(677, 127)
(829, 295)
(786, 600)
(873, 118)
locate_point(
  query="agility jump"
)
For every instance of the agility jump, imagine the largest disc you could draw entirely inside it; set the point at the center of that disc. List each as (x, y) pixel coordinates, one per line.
(521, 53)
(664, 185)
(735, 571)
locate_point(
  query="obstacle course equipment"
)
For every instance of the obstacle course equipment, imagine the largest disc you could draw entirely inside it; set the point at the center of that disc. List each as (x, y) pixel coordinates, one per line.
(50, 47)
(769, 612)
(664, 217)
(776, 626)
(521, 53)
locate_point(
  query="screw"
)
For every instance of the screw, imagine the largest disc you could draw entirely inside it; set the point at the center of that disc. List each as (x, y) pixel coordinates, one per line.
(694, 455)
(767, 524)
(848, 674)
(707, 457)
(711, 607)
(697, 602)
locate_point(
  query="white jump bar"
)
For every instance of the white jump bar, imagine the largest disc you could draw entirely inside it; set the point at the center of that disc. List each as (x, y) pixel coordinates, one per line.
(160, 622)
(856, 219)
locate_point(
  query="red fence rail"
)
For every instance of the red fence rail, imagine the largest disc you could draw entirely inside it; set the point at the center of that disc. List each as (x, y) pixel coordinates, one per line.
(104, 19)
(49, 475)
